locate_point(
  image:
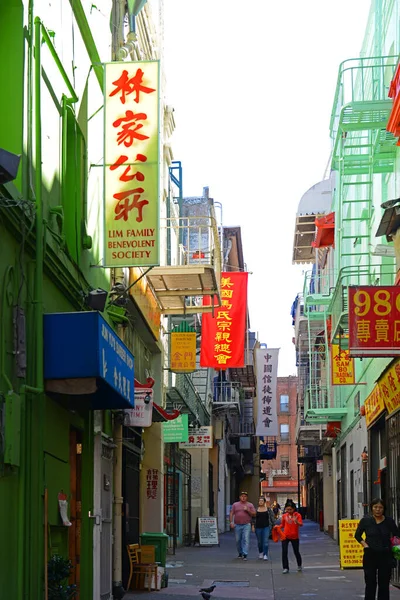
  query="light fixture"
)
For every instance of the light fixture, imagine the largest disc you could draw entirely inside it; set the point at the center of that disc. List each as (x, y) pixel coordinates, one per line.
(9, 164)
(96, 299)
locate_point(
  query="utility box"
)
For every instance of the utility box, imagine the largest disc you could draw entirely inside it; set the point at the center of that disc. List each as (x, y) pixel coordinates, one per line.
(160, 541)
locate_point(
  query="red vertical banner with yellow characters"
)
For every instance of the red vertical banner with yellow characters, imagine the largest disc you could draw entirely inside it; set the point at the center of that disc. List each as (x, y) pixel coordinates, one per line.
(223, 334)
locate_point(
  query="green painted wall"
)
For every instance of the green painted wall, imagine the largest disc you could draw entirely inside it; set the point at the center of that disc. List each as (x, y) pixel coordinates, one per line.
(40, 430)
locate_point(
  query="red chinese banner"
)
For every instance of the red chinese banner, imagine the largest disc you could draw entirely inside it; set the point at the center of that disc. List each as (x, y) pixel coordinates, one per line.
(223, 335)
(131, 164)
(374, 320)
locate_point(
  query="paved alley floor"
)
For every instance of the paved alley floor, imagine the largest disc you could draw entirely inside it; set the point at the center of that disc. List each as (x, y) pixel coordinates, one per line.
(321, 578)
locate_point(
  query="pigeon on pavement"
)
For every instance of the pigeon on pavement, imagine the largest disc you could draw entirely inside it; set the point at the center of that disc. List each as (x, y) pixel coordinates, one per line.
(209, 590)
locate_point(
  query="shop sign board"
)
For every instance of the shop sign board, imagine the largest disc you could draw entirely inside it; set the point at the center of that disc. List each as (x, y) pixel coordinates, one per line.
(176, 430)
(374, 320)
(351, 552)
(342, 366)
(183, 351)
(207, 531)
(374, 405)
(198, 438)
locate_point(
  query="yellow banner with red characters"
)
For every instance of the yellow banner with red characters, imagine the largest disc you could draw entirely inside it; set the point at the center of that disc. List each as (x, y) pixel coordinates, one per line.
(374, 405)
(342, 366)
(131, 164)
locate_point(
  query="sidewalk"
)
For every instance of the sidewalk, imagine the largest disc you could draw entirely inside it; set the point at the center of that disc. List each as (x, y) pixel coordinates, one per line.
(321, 578)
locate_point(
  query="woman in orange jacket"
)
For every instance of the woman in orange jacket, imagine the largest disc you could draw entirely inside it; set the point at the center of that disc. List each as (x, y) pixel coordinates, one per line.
(290, 523)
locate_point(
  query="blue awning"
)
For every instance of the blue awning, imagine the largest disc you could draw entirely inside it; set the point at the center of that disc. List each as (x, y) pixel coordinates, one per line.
(84, 358)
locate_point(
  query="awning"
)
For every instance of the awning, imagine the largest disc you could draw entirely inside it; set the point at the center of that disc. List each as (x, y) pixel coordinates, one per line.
(86, 362)
(325, 231)
(315, 202)
(161, 416)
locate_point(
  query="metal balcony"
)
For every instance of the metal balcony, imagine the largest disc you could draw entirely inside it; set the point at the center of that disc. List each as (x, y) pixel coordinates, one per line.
(317, 293)
(307, 433)
(361, 105)
(195, 267)
(244, 375)
(320, 406)
(227, 394)
(183, 395)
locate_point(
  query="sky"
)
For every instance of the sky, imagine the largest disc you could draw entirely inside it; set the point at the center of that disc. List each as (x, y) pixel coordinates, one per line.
(252, 85)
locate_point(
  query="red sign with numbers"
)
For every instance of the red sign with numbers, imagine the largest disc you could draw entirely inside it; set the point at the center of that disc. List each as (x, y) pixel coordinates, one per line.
(374, 320)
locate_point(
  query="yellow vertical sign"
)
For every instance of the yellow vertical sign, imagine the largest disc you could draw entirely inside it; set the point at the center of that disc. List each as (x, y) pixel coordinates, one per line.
(342, 366)
(183, 352)
(351, 552)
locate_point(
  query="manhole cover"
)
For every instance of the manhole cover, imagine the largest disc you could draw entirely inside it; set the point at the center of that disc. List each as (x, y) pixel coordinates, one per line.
(231, 583)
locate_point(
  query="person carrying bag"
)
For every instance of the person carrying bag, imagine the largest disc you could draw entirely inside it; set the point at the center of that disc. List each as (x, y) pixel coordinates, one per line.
(378, 554)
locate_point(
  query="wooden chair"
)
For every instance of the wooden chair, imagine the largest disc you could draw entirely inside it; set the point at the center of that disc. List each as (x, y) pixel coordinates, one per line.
(140, 567)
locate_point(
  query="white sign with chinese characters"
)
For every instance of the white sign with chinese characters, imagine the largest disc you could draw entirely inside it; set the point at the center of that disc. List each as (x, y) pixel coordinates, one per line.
(266, 372)
(198, 438)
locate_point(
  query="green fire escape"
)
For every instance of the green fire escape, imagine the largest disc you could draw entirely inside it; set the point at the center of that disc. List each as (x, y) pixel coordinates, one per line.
(362, 148)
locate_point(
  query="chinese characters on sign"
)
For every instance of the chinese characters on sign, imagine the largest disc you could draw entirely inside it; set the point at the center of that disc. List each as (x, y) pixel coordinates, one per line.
(176, 430)
(266, 374)
(183, 352)
(152, 479)
(389, 385)
(223, 335)
(374, 405)
(374, 320)
(199, 438)
(351, 552)
(342, 366)
(131, 156)
(116, 362)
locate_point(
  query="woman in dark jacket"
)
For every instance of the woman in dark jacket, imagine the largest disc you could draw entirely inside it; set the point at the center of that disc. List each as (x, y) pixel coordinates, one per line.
(378, 531)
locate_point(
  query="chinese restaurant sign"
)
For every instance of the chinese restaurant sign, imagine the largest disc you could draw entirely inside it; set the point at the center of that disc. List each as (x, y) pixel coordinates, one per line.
(342, 366)
(199, 438)
(389, 385)
(351, 552)
(223, 335)
(374, 405)
(131, 159)
(183, 352)
(374, 320)
(176, 430)
(266, 374)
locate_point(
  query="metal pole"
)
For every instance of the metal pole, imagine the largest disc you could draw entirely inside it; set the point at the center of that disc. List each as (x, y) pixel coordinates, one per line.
(298, 485)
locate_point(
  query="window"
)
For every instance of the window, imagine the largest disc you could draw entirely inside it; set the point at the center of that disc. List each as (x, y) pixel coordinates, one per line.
(357, 404)
(284, 463)
(351, 452)
(284, 430)
(284, 403)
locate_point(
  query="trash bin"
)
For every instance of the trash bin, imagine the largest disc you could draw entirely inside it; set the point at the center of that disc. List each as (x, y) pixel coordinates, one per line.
(160, 541)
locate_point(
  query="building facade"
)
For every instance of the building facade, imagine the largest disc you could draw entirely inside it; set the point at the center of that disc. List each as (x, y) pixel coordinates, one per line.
(346, 229)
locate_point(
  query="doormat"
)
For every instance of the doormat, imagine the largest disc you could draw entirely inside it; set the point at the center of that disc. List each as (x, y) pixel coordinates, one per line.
(231, 583)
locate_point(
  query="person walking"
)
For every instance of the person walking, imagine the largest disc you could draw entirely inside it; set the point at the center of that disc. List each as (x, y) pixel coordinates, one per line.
(276, 509)
(290, 523)
(240, 517)
(378, 559)
(264, 522)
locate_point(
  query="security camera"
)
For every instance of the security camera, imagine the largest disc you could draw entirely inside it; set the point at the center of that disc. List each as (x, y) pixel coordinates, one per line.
(147, 398)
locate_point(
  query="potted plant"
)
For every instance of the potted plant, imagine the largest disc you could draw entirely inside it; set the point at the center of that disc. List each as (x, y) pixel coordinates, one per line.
(58, 571)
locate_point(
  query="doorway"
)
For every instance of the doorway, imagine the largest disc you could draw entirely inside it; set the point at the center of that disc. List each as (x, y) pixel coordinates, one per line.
(75, 531)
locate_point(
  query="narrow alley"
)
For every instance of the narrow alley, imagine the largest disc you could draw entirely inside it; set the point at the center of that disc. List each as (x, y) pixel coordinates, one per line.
(321, 578)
